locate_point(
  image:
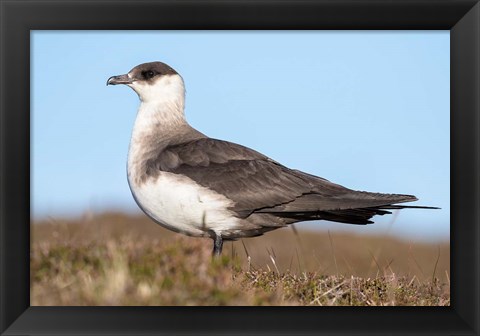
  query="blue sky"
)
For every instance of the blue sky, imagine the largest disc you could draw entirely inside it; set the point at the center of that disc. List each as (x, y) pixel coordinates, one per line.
(368, 110)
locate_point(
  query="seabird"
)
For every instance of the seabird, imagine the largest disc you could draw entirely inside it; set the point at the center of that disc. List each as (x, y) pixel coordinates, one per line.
(204, 187)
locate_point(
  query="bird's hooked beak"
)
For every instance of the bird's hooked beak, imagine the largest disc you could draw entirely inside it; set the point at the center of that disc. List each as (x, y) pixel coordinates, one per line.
(120, 79)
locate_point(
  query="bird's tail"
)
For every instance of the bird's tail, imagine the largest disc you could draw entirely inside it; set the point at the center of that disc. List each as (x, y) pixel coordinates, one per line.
(396, 207)
(359, 216)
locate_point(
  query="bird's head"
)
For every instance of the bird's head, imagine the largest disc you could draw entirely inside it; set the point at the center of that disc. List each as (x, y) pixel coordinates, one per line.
(154, 81)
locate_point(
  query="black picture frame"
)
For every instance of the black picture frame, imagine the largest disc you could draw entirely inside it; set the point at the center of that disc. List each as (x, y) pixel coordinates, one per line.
(18, 17)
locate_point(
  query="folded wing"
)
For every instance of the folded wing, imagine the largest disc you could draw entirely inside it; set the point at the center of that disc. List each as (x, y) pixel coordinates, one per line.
(258, 184)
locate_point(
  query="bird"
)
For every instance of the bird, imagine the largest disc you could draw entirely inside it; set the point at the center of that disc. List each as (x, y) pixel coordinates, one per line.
(204, 187)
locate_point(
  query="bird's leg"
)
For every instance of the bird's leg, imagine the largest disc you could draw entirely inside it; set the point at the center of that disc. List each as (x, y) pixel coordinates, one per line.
(217, 245)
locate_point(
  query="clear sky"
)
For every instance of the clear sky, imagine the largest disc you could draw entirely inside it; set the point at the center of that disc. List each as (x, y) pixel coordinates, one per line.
(368, 110)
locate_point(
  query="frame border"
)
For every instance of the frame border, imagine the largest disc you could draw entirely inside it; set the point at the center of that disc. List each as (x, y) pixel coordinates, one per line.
(18, 17)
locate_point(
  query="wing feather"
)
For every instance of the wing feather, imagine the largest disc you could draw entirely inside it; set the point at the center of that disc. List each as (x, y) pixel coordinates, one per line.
(258, 184)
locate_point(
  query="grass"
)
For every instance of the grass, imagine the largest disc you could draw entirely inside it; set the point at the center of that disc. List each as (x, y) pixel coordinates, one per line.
(114, 259)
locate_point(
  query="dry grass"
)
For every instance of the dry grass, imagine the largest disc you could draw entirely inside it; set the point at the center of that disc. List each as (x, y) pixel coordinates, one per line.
(114, 259)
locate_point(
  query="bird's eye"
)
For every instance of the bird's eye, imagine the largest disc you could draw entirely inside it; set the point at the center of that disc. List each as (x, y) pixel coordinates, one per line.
(148, 74)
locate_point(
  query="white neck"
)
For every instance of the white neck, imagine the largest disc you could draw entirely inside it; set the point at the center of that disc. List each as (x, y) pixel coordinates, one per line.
(160, 118)
(161, 104)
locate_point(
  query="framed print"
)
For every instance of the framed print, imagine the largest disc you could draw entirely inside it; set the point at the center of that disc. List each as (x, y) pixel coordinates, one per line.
(44, 48)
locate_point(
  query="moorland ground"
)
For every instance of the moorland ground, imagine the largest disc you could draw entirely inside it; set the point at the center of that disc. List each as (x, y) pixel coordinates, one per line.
(119, 259)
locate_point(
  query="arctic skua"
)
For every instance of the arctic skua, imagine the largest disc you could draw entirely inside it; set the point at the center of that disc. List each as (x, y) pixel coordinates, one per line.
(204, 187)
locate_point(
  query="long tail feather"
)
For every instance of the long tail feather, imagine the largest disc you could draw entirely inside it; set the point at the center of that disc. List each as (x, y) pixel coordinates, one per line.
(393, 206)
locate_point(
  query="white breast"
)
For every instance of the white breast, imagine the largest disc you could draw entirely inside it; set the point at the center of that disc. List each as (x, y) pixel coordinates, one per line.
(174, 201)
(179, 204)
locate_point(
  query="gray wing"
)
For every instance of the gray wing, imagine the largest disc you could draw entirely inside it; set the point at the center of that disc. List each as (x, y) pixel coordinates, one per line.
(258, 184)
